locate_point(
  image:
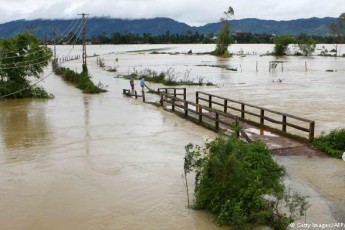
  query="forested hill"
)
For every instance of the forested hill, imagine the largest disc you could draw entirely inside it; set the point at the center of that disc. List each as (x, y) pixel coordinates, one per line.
(156, 26)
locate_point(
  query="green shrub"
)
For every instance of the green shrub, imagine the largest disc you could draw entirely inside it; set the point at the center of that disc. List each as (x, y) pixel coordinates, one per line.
(241, 184)
(28, 91)
(17, 70)
(332, 143)
(166, 78)
(81, 80)
(281, 44)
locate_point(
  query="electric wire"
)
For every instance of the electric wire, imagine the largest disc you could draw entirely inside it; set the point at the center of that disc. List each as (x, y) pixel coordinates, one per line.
(30, 62)
(35, 83)
(64, 34)
(45, 77)
(71, 30)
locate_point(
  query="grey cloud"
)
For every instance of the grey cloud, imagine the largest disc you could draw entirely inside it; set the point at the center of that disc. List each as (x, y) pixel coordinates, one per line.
(195, 12)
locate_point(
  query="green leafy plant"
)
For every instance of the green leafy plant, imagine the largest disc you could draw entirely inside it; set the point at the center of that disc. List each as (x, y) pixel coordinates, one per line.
(306, 45)
(22, 57)
(240, 184)
(167, 77)
(281, 44)
(81, 80)
(224, 38)
(332, 143)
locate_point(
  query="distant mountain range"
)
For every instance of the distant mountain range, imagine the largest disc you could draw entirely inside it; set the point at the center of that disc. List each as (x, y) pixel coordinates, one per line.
(157, 26)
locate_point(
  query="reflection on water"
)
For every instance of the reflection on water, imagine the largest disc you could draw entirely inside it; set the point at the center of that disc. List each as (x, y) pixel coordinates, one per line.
(112, 162)
(23, 126)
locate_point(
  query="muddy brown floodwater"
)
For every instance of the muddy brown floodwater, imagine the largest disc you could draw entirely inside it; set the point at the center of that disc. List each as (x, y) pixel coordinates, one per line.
(110, 162)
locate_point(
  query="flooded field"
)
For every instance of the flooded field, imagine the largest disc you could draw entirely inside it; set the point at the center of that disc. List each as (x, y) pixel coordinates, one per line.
(110, 162)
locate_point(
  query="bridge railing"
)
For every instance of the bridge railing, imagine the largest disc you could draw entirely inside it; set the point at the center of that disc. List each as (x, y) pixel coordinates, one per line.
(259, 115)
(174, 91)
(214, 118)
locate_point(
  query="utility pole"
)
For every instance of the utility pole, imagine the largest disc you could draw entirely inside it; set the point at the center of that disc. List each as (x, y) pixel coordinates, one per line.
(84, 39)
(55, 61)
(54, 42)
(45, 39)
(31, 29)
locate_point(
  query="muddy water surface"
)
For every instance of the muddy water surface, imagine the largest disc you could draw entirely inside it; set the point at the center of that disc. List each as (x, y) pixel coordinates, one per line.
(109, 162)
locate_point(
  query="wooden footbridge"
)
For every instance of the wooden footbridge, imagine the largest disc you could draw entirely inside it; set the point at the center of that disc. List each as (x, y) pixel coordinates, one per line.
(280, 131)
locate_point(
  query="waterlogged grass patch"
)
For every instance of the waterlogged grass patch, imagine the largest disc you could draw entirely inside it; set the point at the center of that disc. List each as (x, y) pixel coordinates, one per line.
(332, 143)
(167, 78)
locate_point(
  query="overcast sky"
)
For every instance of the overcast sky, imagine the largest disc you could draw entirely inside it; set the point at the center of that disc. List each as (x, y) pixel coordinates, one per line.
(192, 12)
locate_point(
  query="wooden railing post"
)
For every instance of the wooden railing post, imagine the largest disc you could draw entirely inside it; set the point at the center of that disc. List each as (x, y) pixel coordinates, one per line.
(173, 104)
(184, 94)
(186, 108)
(225, 105)
(197, 101)
(175, 92)
(161, 101)
(242, 111)
(311, 130)
(200, 114)
(284, 124)
(217, 121)
(210, 101)
(262, 117)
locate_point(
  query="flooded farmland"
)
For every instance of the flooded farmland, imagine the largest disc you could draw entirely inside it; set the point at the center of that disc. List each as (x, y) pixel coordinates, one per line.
(111, 162)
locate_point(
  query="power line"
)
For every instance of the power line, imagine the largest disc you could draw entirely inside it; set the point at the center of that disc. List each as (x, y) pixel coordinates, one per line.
(35, 83)
(45, 77)
(13, 65)
(64, 34)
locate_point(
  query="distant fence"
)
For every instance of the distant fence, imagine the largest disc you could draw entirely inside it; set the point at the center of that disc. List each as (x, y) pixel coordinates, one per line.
(256, 114)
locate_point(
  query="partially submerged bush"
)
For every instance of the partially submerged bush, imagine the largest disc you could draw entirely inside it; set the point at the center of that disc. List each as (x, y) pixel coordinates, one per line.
(241, 184)
(332, 143)
(166, 78)
(81, 80)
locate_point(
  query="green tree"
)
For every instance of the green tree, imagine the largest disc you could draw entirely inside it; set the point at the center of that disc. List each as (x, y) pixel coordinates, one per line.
(338, 28)
(281, 44)
(22, 57)
(306, 46)
(224, 38)
(240, 183)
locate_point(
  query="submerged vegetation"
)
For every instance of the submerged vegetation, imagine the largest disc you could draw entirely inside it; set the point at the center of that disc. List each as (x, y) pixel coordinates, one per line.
(22, 58)
(332, 143)
(304, 45)
(224, 38)
(81, 80)
(240, 184)
(168, 77)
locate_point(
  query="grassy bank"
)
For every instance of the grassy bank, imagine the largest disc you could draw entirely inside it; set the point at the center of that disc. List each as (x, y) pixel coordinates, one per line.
(332, 143)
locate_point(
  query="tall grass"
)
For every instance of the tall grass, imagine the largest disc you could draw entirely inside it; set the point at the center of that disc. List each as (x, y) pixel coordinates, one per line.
(166, 77)
(332, 143)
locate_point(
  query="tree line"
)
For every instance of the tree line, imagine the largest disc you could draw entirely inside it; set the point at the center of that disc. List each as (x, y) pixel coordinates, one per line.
(199, 38)
(336, 36)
